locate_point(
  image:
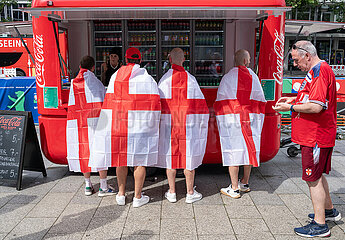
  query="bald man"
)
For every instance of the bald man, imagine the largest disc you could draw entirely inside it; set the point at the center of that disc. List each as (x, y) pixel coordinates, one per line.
(240, 115)
(183, 126)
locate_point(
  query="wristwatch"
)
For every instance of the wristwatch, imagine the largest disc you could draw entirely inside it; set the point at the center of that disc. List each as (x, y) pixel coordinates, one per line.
(291, 108)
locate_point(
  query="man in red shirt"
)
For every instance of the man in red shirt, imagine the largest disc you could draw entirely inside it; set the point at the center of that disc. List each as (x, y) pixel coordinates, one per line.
(314, 128)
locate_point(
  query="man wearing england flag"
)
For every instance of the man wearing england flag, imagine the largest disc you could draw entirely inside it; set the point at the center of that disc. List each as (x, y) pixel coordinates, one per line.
(84, 106)
(183, 126)
(314, 118)
(239, 109)
(128, 128)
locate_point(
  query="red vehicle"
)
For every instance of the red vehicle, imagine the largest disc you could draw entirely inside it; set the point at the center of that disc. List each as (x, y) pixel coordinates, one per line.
(208, 32)
(14, 55)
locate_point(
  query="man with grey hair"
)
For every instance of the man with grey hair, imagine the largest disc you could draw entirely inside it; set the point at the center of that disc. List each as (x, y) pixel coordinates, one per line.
(314, 119)
(239, 108)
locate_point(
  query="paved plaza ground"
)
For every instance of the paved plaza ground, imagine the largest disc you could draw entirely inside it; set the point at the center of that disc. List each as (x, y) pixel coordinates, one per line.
(55, 207)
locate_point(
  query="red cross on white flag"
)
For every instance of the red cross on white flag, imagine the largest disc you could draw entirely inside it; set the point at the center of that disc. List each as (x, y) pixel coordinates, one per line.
(184, 121)
(240, 107)
(128, 128)
(84, 106)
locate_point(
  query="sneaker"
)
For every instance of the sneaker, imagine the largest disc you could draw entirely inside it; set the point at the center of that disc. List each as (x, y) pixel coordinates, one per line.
(88, 191)
(334, 216)
(138, 202)
(231, 192)
(170, 196)
(313, 230)
(243, 187)
(108, 192)
(190, 198)
(121, 200)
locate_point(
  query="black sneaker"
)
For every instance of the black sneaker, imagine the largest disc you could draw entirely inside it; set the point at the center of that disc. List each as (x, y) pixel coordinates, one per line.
(333, 216)
(313, 230)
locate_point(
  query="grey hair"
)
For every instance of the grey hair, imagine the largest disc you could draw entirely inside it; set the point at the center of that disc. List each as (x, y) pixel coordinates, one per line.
(308, 46)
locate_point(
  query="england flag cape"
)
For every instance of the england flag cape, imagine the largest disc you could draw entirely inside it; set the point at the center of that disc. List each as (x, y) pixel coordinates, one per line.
(184, 121)
(128, 128)
(239, 108)
(84, 106)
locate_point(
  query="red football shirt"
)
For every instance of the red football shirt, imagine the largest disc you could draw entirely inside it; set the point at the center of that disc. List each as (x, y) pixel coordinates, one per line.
(319, 87)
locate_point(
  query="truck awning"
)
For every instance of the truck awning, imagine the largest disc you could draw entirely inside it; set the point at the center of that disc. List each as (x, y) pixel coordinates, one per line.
(25, 28)
(158, 9)
(310, 27)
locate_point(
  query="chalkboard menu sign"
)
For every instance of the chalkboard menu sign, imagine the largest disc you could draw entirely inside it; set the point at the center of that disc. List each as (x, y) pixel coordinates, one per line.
(19, 148)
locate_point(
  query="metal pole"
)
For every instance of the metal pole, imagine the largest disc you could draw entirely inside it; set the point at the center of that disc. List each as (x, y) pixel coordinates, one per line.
(26, 47)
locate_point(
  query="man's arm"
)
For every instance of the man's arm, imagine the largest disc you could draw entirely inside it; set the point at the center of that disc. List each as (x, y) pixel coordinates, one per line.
(309, 107)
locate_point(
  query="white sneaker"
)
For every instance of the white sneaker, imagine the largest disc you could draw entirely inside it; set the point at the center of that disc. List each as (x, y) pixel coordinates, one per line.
(190, 198)
(170, 196)
(231, 192)
(121, 200)
(243, 187)
(138, 202)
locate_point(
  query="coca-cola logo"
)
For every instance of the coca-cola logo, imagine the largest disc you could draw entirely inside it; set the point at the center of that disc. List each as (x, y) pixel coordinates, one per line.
(39, 57)
(10, 122)
(279, 50)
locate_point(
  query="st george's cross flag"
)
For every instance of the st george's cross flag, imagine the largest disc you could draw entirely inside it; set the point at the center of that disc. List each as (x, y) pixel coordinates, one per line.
(84, 106)
(128, 128)
(184, 121)
(239, 109)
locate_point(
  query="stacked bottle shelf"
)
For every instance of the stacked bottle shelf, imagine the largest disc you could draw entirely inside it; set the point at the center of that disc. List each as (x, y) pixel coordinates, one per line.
(208, 52)
(107, 34)
(175, 34)
(142, 35)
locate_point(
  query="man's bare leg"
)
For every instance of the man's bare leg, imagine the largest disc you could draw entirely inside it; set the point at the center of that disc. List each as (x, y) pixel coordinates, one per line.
(121, 174)
(139, 178)
(171, 175)
(246, 174)
(328, 204)
(233, 171)
(318, 198)
(189, 180)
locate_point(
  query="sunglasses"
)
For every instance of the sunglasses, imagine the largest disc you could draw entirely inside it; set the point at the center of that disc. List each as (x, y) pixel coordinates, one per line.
(294, 47)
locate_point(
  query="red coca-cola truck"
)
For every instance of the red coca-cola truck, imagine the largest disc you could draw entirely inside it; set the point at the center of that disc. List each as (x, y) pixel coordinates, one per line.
(210, 31)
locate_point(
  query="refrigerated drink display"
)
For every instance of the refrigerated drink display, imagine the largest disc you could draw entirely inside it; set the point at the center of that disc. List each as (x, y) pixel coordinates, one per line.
(208, 52)
(107, 34)
(142, 35)
(175, 33)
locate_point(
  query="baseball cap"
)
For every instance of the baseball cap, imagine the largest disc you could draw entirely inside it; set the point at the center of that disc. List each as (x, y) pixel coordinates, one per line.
(133, 53)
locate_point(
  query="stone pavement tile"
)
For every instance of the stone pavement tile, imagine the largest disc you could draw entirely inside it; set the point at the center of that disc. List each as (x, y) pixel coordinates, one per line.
(177, 210)
(217, 237)
(265, 198)
(301, 184)
(279, 225)
(31, 228)
(242, 212)
(52, 205)
(75, 218)
(39, 188)
(155, 194)
(12, 214)
(2, 235)
(269, 212)
(217, 225)
(8, 187)
(64, 236)
(261, 236)
(282, 184)
(337, 200)
(105, 228)
(80, 198)
(336, 185)
(178, 227)
(202, 211)
(109, 208)
(210, 194)
(299, 204)
(336, 231)
(5, 198)
(270, 169)
(69, 184)
(288, 236)
(178, 237)
(143, 219)
(245, 200)
(140, 237)
(249, 226)
(26, 199)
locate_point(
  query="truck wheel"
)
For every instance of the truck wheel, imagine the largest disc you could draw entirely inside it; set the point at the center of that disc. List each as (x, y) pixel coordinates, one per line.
(292, 151)
(20, 73)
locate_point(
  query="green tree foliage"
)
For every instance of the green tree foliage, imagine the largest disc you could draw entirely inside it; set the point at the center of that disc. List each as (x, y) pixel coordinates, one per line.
(6, 2)
(301, 3)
